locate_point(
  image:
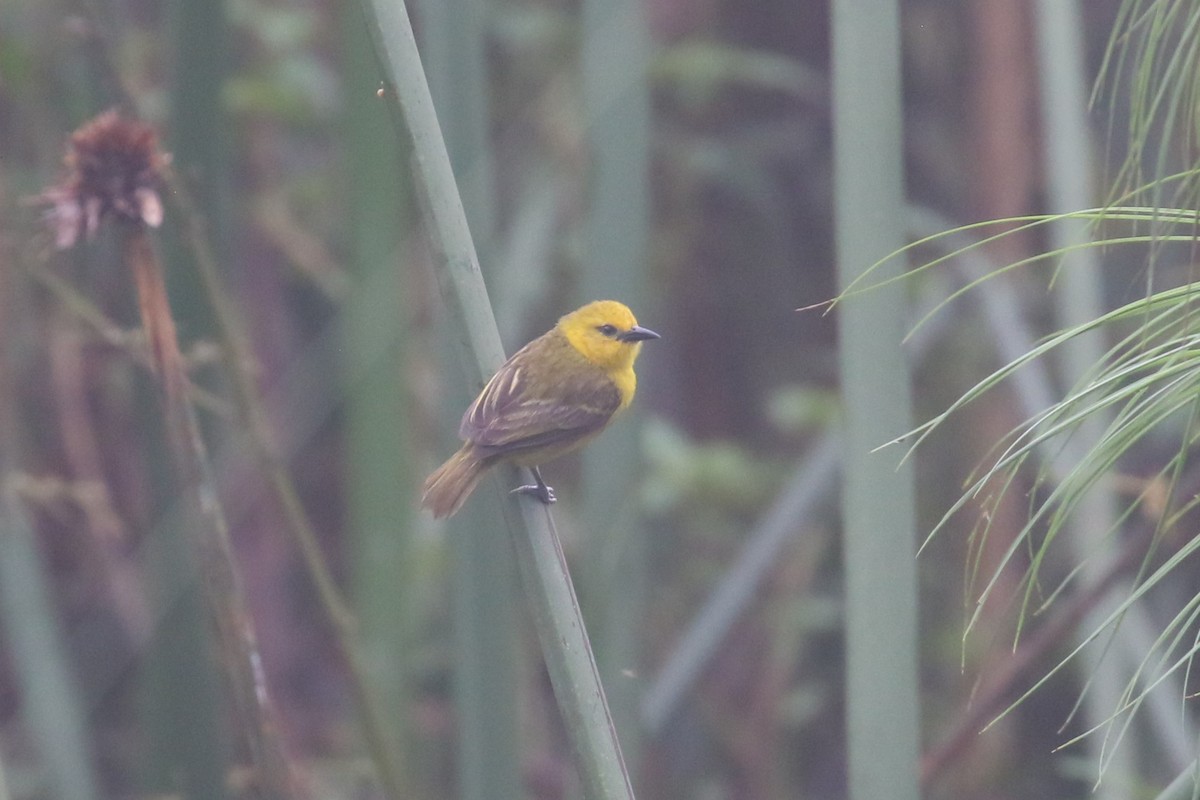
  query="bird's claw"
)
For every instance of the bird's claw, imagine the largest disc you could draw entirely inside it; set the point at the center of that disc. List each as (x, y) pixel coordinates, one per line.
(540, 491)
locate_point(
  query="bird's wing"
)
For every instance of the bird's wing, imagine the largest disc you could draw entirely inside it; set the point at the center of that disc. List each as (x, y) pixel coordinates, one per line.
(516, 412)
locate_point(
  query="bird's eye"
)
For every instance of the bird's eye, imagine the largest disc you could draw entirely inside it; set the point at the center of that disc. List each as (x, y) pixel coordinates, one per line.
(608, 330)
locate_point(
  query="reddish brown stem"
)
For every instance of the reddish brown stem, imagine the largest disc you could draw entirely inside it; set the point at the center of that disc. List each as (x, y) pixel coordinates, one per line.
(157, 321)
(222, 586)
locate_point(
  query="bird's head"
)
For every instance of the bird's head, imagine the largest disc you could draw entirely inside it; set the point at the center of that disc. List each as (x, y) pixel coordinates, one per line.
(606, 333)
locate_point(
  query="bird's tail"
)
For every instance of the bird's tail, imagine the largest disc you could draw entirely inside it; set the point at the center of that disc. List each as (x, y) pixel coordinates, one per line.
(448, 487)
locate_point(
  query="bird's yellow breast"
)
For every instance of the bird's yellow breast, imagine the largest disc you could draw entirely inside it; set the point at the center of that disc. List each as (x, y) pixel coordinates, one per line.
(626, 383)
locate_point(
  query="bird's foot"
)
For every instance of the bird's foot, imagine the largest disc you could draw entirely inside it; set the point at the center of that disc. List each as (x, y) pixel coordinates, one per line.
(539, 490)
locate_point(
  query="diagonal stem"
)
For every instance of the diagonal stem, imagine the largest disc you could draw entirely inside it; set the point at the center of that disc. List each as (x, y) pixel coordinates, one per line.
(547, 582)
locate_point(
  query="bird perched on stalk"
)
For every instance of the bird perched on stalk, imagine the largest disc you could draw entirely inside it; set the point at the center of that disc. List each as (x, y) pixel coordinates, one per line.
(551, 397)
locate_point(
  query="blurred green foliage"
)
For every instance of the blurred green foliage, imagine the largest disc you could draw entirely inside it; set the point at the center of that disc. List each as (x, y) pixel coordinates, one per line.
(738, 236)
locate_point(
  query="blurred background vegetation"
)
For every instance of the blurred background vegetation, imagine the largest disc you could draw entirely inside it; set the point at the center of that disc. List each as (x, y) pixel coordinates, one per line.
(676, 155)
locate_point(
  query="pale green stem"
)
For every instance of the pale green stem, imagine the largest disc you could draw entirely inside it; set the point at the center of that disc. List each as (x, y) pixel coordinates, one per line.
(878, 514)
(547, 582)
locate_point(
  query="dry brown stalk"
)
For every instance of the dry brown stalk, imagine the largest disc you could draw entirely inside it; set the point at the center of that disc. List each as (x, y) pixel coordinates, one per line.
(113, 172)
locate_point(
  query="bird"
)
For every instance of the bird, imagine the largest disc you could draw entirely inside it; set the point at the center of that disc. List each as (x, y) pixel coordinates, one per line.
(553, 396)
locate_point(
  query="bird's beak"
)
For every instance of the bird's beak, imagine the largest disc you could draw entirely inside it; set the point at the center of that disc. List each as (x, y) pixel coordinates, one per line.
(638, 334)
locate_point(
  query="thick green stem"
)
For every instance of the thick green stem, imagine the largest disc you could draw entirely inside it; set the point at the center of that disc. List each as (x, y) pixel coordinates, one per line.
(485, 596)
(616, 56)
(878, 508)
(548, 586)
(239, 368)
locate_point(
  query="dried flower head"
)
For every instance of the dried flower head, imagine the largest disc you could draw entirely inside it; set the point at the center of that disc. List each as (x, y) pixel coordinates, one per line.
(113, 167)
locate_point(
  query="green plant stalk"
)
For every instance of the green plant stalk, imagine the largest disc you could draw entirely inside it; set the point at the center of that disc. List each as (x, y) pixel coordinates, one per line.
(199, 140)
(50, 699)
(1079, 300)
(4, 793)
(616, 58)
(878, 511)
(194, 643)
(238, 363)
(189, 732)
(566, 648)
(454, 41)
(551, 596)
(487, 640)
(1186, 785)
(382, 471)
(484, 576)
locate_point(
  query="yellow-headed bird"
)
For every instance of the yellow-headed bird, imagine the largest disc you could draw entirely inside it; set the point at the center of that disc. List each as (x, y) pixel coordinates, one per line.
(551, 397)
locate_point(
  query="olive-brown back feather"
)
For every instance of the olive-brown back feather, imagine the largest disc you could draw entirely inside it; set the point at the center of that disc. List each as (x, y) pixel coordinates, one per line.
(546, 396)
